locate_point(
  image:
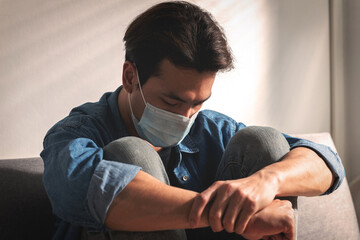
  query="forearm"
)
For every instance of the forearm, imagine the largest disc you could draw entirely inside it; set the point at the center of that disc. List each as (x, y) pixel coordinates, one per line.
(300, 173)
(146, 204)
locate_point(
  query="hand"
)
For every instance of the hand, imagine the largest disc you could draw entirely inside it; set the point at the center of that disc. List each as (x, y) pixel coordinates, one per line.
(234, 202)
(275, 222)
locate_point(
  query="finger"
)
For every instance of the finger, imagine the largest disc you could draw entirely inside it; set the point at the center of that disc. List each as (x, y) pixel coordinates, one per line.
(217, 210)
(279, 236)
(199, 204)
(231, 213)
(274, 237)
(290, 234)
(246, 212)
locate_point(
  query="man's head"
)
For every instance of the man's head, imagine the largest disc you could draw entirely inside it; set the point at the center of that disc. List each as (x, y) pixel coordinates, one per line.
(174, 50)
(180, 32)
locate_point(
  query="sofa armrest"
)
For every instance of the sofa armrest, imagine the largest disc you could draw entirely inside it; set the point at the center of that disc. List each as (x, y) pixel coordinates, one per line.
(331, 216)
(355, 193)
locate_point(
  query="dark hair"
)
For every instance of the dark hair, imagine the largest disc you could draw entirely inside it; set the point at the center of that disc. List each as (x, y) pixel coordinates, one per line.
(181, 32)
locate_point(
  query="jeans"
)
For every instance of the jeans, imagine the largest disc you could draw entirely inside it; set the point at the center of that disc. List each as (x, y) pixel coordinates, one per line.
(250, 150)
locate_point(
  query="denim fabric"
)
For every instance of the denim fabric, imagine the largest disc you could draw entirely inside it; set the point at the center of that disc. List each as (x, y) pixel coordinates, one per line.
(81, 184)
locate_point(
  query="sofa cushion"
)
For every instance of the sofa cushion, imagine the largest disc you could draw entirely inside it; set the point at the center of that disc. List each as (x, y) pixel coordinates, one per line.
(25, 211)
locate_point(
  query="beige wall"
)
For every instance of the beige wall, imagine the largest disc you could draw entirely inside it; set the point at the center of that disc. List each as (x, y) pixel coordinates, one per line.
(282, 71)
(352, 86)
(345, 82)
(55, 55)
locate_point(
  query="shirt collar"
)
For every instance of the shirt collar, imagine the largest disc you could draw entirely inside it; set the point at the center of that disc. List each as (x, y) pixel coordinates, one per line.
(188, 145)
(114, 108)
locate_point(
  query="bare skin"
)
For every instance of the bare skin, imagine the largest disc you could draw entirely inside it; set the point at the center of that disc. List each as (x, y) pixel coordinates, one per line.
(168, 207)
(275, 221)
(243, 206)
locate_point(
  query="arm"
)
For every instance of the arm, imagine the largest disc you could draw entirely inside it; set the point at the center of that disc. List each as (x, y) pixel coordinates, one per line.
(76, 173)
(147, 204)
(168, 208)
(81, 174)
(301, 172)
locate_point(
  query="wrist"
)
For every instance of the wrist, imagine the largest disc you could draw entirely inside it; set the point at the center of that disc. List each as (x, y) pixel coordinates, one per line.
(270, 178)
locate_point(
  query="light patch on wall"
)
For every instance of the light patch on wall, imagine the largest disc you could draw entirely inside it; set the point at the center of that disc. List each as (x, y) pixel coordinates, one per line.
(247, 25)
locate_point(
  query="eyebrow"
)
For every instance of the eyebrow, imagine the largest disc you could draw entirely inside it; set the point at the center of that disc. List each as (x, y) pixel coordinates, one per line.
(175, 97)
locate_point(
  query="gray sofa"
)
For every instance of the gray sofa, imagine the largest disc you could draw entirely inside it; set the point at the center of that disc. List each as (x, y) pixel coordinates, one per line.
(25, 211)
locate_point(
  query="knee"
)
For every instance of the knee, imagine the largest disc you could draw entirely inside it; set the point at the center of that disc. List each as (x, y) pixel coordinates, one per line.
(135, 151)
(250, 150)
(261, 140)
(130, 150)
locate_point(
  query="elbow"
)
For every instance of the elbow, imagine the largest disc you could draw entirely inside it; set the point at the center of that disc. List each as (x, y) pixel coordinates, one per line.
(110, 223)
(116, 217)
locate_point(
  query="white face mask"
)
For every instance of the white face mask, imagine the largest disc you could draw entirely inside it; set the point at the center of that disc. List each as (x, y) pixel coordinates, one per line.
(159, 127)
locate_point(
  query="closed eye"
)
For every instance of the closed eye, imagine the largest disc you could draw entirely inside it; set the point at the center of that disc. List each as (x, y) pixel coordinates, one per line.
(198, 104)
(172, 104)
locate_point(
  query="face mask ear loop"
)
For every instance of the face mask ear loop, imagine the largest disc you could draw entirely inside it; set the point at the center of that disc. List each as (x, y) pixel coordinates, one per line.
(137, 74)
(130, 104)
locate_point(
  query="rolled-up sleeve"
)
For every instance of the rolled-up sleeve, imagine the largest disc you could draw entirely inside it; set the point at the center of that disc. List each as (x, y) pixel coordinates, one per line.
(330, 157)
(108, 180)
(80, 184)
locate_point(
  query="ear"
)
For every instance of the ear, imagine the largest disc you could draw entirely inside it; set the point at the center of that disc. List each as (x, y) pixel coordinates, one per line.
(129, 77)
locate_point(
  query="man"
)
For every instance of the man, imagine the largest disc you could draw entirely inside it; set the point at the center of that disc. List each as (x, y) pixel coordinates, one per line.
(145, 163)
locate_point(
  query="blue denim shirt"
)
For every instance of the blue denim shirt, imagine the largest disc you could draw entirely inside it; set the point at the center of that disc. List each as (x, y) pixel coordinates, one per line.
(81, 184)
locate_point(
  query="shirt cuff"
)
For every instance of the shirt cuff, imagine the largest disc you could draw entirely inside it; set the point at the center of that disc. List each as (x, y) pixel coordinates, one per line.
(108, 180)
(331, 159)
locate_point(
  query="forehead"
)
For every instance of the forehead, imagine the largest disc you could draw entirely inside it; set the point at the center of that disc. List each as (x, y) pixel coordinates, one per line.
(170, 76)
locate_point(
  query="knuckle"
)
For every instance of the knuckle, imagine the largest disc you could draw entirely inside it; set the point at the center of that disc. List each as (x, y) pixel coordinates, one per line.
(287, 203)
(218, 183)
(215, 217)
(201, 199)
(252, 205)
(238, 194)
(229, 188)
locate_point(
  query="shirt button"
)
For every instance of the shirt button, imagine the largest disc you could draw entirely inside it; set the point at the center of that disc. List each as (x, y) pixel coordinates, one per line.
(185, 178)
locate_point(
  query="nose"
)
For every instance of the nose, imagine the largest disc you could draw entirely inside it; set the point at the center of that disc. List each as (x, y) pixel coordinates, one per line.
(188, 112)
